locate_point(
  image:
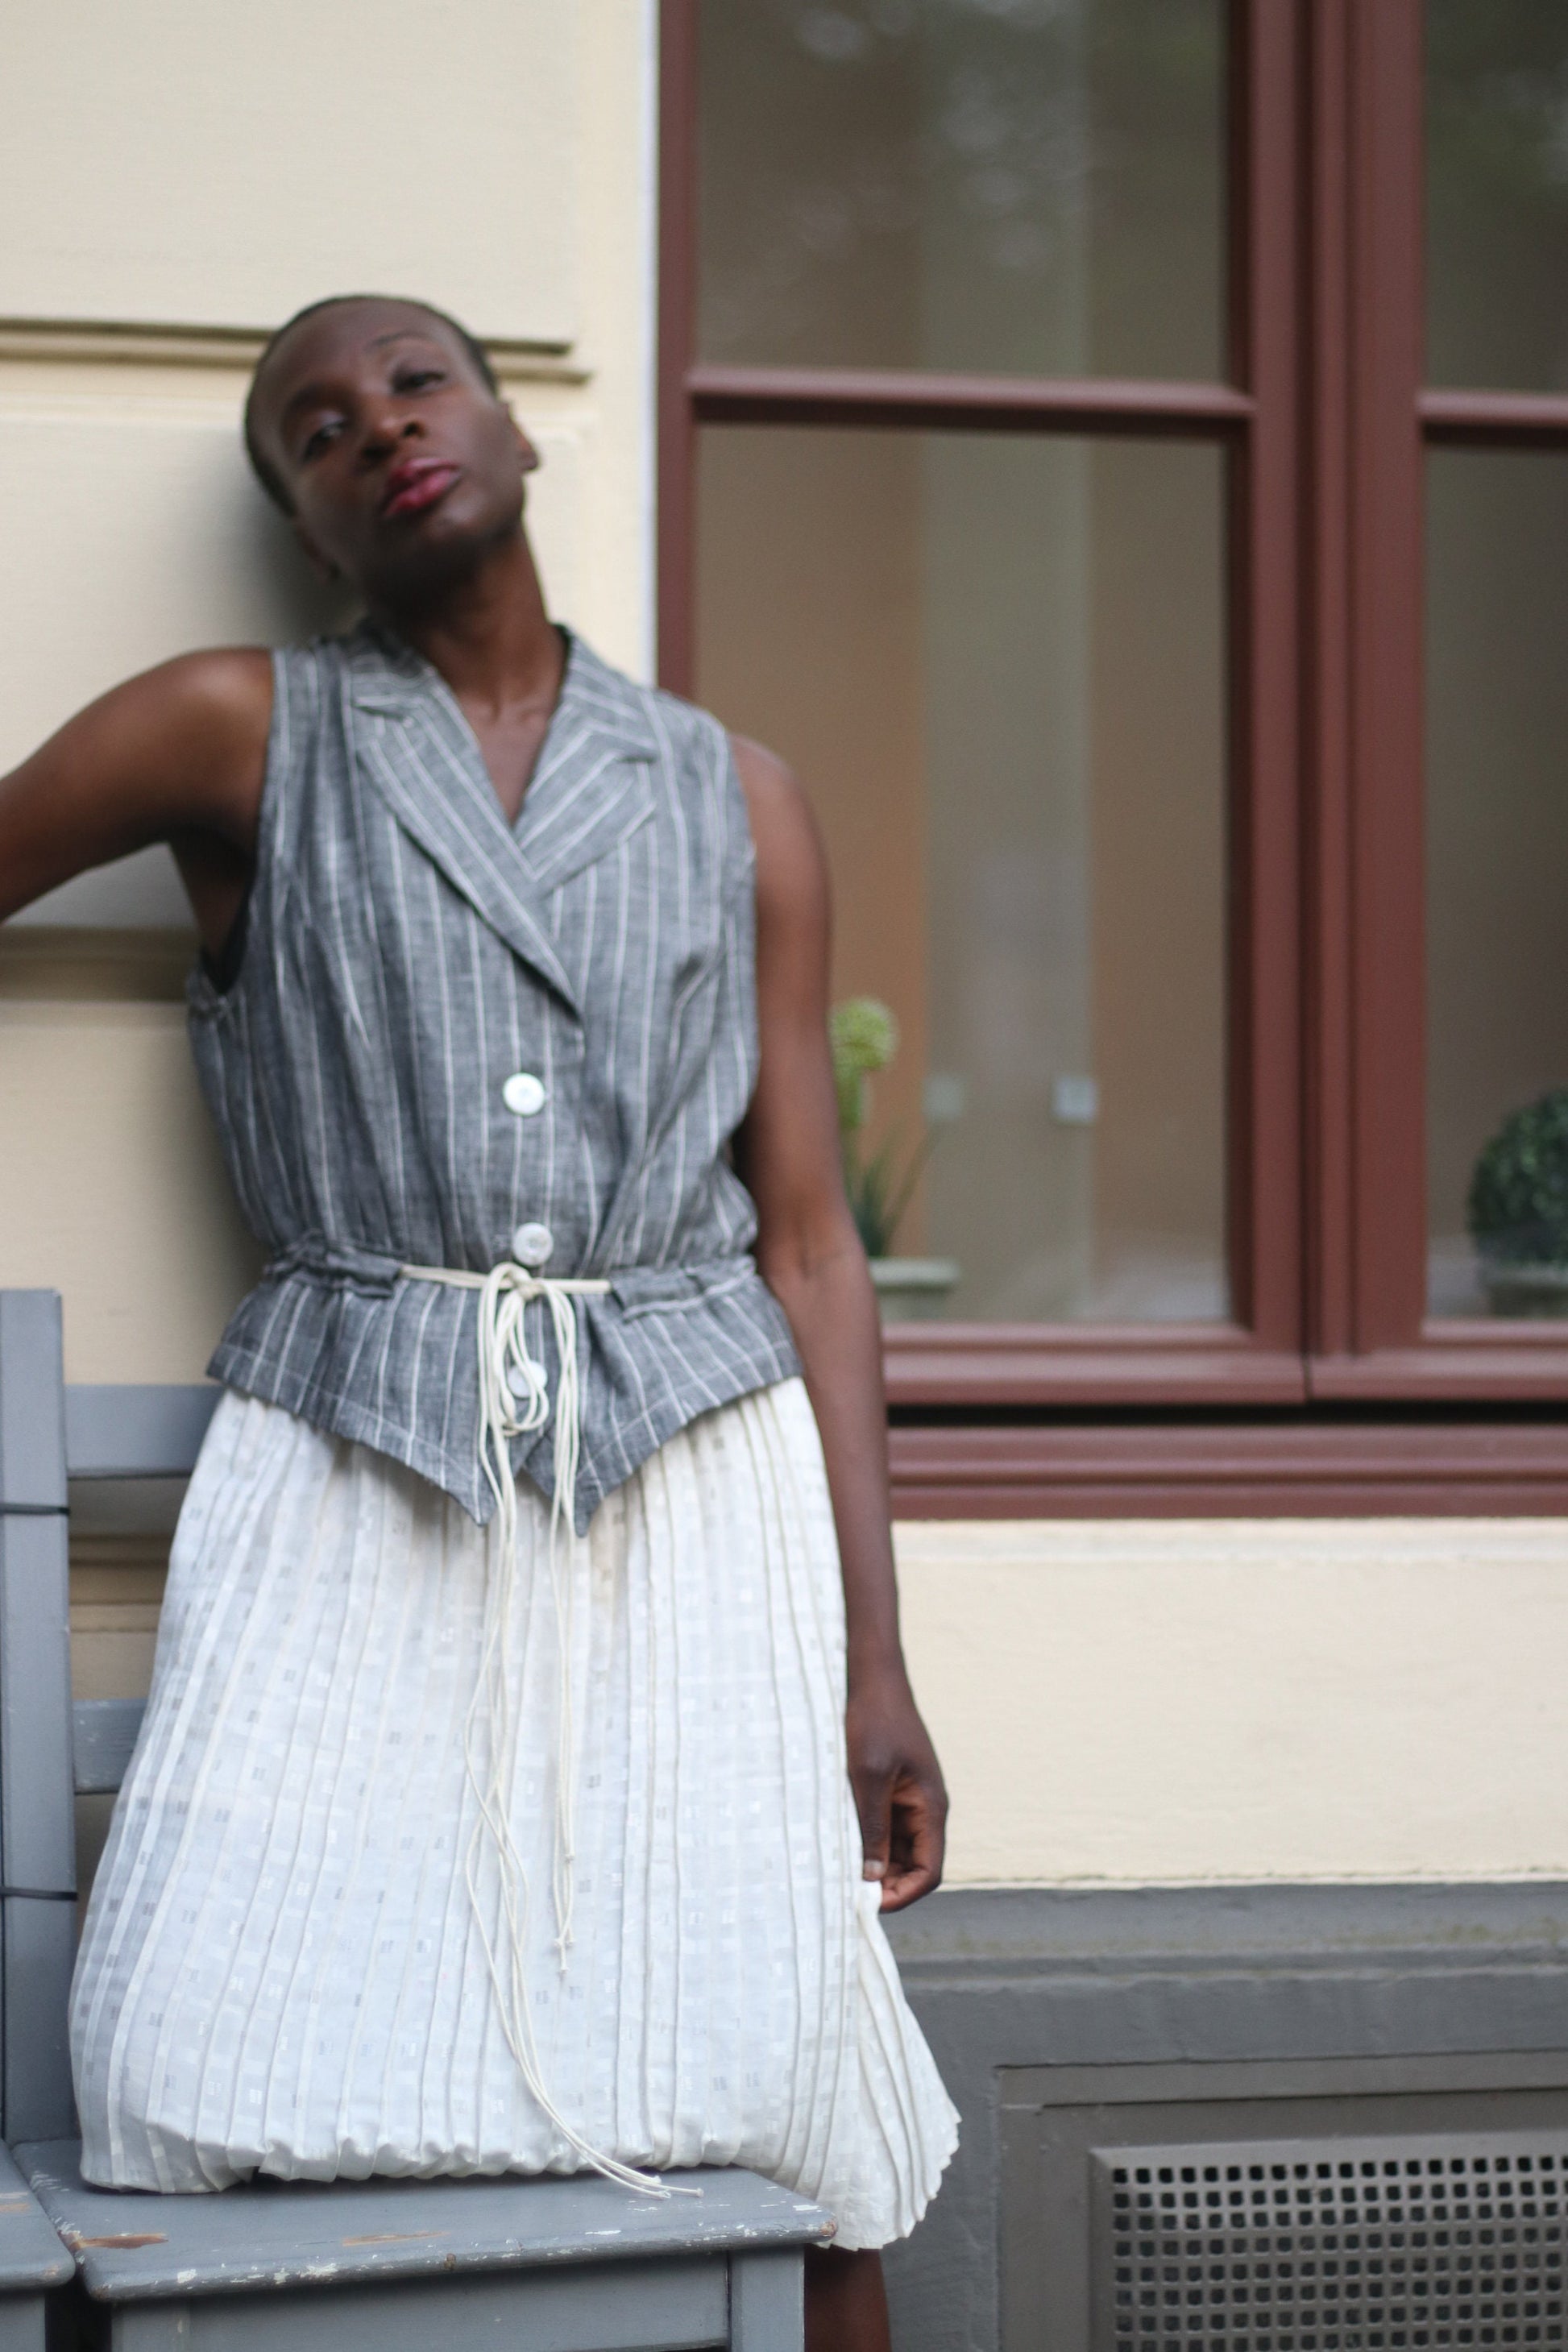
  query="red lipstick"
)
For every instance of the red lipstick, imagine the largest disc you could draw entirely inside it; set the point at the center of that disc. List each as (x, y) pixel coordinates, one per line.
(416, 484)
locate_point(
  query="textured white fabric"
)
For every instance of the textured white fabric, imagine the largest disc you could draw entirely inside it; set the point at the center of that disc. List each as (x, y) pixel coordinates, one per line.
(282, 1969)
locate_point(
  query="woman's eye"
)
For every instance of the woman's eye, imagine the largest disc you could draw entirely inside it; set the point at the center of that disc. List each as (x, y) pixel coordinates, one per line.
(417, 378)
(318, 440)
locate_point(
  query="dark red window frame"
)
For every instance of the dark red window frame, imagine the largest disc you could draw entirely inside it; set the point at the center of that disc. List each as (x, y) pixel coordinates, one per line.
(1329, 1389)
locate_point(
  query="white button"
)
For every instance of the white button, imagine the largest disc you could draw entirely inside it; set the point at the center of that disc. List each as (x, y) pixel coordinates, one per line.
(524, 1093)
(532, 1244)
(523, 1379)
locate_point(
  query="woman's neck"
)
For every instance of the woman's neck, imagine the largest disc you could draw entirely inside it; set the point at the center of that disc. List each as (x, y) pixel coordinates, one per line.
(488, 634)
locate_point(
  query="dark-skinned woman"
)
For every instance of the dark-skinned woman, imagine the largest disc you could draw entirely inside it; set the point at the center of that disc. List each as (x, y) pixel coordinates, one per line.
(530, 1754)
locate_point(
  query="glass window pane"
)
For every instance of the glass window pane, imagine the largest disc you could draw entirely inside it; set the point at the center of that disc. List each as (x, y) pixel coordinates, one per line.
(997, 665)
(1497, 857)
(1030, 187)
(1496, 194)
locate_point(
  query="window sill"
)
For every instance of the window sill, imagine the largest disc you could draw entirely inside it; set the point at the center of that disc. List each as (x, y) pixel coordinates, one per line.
(1294, 1469)
(1470, 1362)
(966, 1364)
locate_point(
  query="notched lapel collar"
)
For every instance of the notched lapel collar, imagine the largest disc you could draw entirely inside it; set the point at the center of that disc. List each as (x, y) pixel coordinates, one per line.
(414, 749)
(595, 795)
(593, 786)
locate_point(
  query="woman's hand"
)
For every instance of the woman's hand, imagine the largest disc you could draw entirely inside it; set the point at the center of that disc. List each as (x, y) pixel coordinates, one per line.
(898, 1786)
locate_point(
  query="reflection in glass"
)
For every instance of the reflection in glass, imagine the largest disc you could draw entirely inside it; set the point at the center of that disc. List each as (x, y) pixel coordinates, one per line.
(1497, 827)
(1030, 187)
(1496, 194)
(997, 665)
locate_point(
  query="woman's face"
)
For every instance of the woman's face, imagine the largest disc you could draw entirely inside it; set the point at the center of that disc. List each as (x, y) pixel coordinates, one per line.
(402, 467)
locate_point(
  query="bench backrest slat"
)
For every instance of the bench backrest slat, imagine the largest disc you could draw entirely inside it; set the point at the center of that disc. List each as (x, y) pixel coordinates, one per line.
(49, 1434)
(103, 1733)
(37, 1841)
(49, 1751)
(136, 1432)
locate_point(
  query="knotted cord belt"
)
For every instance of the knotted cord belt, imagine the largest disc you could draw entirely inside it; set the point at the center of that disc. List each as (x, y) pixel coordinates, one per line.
(514, 1400)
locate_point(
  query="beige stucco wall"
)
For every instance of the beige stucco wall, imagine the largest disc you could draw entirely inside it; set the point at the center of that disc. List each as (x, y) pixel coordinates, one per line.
(1164, 1700)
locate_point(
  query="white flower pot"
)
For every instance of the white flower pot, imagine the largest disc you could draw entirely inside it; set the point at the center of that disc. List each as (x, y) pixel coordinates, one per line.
(912, 1289)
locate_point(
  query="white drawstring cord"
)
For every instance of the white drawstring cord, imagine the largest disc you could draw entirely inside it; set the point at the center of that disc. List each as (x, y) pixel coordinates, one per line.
(514, 1400)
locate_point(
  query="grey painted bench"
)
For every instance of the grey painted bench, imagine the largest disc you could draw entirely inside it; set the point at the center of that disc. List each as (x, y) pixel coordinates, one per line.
(557, 2265)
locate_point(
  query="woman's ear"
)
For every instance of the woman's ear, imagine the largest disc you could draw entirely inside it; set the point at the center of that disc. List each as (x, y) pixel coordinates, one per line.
(322, 565)
(531, 460)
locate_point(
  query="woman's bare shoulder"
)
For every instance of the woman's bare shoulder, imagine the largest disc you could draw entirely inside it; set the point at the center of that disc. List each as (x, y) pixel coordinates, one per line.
(224, 688)
(193, 732)
(176, 749)
(791, 872)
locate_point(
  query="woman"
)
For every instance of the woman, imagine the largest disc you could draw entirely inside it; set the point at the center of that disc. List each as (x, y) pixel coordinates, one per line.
(529, 1747)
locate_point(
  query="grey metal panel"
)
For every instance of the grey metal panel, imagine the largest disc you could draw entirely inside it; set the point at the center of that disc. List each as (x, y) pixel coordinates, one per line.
(31, 2255)
(1053, 2156)
(32, 1441)
(136, 1432)
(1440, 2239)
(40, 1946)
(36, 1833)
(103, 1733)
(133, 2246)
(620, 2308)
(767, 2302)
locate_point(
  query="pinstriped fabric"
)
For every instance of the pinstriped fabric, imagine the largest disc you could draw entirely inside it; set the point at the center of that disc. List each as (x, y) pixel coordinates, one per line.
(406, 952)
(281, 1970)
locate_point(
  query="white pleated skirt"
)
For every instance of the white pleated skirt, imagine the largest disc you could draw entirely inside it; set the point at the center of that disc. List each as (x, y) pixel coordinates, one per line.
(283, 1970)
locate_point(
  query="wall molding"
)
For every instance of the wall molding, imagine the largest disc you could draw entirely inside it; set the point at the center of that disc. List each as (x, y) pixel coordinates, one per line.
(133, 344)
(59, 963)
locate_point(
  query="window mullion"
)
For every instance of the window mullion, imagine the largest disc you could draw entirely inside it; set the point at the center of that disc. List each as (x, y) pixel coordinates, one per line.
(1265, 750)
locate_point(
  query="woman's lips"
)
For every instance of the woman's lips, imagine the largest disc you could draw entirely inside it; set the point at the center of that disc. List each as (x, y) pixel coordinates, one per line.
(411, 488)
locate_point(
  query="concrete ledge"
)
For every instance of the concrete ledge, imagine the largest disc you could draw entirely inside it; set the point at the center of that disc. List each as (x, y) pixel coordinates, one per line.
(976, 1931)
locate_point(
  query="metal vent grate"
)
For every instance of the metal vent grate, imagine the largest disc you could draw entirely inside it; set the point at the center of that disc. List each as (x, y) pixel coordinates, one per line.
(1331, 2245)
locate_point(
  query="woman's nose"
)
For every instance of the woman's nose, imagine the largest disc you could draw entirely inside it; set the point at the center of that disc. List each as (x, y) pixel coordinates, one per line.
(386, 427)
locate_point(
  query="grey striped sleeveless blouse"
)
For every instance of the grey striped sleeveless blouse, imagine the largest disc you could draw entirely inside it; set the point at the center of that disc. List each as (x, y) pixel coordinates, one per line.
(407, 953)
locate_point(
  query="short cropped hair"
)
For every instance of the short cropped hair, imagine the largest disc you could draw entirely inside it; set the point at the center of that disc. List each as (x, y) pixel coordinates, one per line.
(261, 465)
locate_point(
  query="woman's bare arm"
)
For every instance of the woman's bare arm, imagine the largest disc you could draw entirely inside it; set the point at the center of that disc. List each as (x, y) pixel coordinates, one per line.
(175, 755)
(810, 1255)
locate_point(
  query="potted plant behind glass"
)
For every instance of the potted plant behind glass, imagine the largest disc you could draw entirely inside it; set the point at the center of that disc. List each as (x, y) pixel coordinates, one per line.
(865, 1037)
(1518, 1210)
